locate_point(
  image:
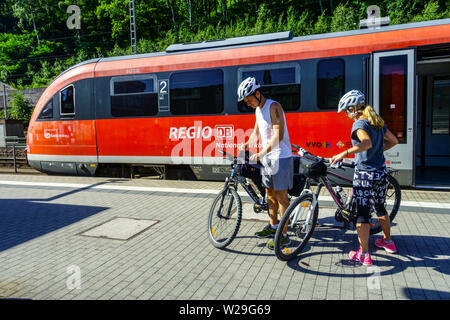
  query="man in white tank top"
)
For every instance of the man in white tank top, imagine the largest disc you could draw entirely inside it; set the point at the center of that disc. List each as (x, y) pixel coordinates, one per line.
(276, 154)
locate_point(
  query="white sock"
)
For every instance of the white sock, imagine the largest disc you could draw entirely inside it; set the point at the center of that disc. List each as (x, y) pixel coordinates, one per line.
(274, 227)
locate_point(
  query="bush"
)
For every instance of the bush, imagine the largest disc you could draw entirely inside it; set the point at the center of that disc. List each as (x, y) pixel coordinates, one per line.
(20, 108)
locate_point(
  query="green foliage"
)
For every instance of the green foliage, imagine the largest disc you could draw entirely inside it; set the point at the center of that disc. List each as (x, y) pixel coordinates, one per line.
(20, 108)
(430, 12)
(344, 18)
(26, 61)
(18, 53)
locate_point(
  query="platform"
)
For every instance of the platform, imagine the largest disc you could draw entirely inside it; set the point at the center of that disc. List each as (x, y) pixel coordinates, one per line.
(54, 244)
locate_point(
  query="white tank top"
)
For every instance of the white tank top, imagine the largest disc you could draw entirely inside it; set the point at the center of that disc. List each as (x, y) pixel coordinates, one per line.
(283, 149)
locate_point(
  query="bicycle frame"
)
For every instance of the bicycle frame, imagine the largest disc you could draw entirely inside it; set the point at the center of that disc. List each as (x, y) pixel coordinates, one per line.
(235, 179)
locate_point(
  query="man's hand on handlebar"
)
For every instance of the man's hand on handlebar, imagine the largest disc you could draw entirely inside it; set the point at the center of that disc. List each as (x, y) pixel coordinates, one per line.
(255, 157)
(242, 147)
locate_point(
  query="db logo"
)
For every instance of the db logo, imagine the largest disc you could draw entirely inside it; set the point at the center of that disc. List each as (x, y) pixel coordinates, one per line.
(49, 133)
(224, 131)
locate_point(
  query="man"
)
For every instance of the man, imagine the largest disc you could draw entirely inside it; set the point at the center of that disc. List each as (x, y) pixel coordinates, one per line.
(276, 155)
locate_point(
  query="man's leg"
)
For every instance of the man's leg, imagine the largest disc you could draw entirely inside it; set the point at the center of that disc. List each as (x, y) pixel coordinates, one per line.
(283, 203)
(269, 231)
(273, 206)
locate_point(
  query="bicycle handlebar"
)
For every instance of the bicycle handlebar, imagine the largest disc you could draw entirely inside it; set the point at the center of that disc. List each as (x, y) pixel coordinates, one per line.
(336, 165)
(229, 156)
(234, 159)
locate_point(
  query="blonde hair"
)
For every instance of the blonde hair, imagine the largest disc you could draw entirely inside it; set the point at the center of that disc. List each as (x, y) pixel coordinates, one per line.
(374, 119)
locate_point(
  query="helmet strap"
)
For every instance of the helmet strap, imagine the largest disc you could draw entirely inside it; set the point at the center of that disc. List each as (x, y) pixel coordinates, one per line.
(259, 99)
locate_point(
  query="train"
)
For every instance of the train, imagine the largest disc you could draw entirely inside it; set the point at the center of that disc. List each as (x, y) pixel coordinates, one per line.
(174, 110)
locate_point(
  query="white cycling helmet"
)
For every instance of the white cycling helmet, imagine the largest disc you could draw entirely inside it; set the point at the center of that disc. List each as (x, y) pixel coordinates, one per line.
(351, 99)
(247, 88)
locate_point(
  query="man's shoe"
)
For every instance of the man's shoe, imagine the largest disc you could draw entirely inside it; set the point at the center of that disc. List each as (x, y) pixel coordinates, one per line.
(284, 241)
(267, 232)
(388, 246)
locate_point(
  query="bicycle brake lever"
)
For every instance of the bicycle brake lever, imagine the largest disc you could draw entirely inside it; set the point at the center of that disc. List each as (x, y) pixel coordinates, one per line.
(336, 165)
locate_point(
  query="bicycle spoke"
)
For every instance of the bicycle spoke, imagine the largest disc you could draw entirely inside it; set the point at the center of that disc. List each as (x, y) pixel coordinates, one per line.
(301, 220)
(225, 218)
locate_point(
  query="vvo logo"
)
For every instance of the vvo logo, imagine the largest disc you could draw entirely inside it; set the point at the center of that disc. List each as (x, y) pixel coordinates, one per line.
(318, 144)
(224, 131)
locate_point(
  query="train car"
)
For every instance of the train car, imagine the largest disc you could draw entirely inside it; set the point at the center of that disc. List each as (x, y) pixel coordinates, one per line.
(178, 107)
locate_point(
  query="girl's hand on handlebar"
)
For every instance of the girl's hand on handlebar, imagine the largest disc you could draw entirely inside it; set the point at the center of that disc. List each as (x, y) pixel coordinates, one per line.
(337, 158)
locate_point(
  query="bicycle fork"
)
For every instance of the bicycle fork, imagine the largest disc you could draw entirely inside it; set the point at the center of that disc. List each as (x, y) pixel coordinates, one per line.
(308, 221)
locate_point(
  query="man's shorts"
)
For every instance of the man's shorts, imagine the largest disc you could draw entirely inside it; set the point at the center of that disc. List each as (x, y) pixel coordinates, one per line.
(278, 174)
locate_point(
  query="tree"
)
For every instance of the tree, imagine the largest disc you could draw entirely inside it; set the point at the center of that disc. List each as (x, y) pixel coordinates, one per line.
(430, 12)
(20, 108)
(344, 18)
(17, 52)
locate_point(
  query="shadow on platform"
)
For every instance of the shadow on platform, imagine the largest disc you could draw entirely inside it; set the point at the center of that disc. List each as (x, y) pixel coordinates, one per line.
(22, 220)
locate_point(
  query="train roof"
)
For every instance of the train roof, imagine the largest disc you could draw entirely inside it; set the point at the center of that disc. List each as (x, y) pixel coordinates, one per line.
(259, 40)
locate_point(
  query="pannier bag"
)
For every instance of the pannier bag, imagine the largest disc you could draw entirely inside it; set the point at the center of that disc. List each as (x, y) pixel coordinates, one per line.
(252, 172)
(299, 179)
(248, 171)
(311, 166)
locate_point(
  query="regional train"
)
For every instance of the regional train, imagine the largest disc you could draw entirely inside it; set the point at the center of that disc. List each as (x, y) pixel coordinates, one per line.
(176, 109)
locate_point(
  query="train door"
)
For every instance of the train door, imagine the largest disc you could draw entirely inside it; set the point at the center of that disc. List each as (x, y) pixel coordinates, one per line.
(393, 98)
(433, 122)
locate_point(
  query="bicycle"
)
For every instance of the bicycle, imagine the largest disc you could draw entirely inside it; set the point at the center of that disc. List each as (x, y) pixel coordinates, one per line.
(225, 215)
(301, 215)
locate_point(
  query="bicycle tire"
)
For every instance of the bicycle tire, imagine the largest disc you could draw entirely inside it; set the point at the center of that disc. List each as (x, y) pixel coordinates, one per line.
(395, 192)
(224, 222)
(295, 232)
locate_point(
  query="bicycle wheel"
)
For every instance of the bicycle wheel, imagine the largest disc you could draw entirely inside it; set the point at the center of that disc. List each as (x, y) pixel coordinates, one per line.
(392, 204)
(301, 219)
(224, 218)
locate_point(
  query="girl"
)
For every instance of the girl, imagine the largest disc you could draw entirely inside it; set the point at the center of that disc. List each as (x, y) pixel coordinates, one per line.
(370, 138)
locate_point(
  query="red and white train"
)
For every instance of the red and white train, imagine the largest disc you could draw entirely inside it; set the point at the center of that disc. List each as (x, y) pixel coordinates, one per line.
(178, 107)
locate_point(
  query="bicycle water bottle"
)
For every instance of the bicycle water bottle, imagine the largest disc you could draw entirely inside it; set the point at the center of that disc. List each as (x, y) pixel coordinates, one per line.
(341, 194)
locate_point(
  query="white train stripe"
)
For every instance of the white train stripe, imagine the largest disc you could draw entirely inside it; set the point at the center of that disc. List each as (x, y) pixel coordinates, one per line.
(219, 160)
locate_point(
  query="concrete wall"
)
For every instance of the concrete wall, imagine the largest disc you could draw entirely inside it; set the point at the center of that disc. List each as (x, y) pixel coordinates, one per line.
(32, 95)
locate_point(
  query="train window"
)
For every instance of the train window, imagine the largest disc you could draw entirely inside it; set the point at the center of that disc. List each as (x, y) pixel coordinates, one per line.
(330, 83)
(67, 97)
(133, 96)
(47, 111)
(277, 83)
(133, 86)
(196, 92)
(393, 94)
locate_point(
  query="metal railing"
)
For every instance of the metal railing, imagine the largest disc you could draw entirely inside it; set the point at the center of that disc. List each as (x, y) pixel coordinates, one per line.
(15, 143)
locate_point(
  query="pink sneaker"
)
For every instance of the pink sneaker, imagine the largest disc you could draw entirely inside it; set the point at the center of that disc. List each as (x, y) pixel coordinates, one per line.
(366, 259)
(388, 246)
(355, 255)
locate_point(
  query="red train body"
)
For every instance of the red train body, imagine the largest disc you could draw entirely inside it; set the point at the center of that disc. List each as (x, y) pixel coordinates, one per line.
(74, 128)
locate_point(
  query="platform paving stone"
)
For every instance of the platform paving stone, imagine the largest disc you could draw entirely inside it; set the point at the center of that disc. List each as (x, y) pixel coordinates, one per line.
(44, 256)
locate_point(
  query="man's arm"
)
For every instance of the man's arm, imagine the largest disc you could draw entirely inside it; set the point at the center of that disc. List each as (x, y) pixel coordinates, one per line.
(254, 136)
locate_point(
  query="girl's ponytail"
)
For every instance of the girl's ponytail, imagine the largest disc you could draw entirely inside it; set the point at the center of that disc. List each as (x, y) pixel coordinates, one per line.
(374, 119)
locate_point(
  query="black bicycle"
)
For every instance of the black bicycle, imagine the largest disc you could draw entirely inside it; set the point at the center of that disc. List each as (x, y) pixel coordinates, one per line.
(225, 215)
(301, 215)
